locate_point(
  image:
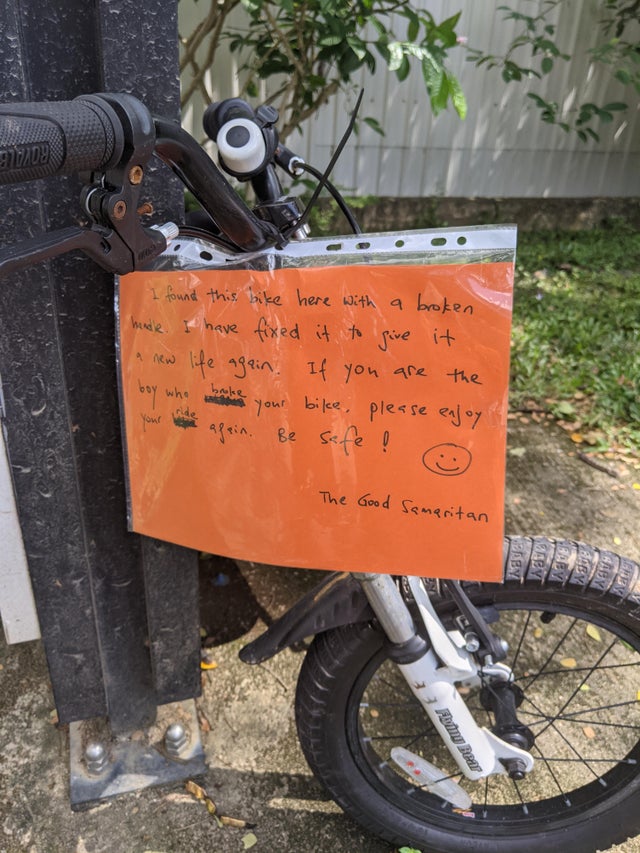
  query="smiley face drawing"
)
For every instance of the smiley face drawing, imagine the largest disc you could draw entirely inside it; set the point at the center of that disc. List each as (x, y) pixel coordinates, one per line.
(447, 460)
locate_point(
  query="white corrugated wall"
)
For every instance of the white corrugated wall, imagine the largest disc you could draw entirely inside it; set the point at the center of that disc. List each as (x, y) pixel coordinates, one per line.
(502, 149)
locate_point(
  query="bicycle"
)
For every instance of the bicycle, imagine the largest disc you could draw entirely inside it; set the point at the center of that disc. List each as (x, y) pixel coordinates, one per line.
(470, 671)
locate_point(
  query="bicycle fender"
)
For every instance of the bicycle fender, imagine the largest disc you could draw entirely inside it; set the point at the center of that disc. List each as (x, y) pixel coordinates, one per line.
(338, 600)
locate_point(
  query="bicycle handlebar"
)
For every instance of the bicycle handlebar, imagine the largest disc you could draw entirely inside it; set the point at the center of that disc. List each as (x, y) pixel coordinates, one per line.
(58, 138)
(112, 136)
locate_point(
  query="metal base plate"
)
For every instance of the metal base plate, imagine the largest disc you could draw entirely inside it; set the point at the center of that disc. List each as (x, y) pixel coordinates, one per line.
(136, 762)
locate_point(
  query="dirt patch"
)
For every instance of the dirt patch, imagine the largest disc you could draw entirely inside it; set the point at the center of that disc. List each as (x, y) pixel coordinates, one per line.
(551, 491)
(256, 769)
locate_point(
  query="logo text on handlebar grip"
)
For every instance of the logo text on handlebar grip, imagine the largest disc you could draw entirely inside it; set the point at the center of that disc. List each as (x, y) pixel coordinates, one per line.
(21, 156)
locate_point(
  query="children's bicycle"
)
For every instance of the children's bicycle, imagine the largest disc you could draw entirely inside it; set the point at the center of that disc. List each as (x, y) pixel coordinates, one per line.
(450, 716)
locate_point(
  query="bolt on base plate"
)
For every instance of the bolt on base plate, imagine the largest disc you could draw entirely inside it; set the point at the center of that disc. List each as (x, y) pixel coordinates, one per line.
(137, 762)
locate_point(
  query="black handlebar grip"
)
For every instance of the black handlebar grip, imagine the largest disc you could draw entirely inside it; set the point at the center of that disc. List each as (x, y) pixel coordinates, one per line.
(58, 138)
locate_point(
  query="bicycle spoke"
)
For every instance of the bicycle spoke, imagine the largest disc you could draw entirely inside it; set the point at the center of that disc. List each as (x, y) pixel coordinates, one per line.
(553, 652)
(427, 785)
(564, 672)
(522, 637)
(590, 672)
(544, 758)
(602, 708)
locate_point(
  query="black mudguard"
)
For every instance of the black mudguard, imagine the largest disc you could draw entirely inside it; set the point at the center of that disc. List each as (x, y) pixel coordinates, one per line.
(337, 600)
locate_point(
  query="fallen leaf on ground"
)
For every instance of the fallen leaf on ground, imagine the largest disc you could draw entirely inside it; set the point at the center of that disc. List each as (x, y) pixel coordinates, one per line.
(205, 725)
(200, 794)
(589, 732)
(233, 821)
(593, 632)
(517, 451)
(193, 788)
(222, 820)
(207, 662)
(249, 840)
(569, 663)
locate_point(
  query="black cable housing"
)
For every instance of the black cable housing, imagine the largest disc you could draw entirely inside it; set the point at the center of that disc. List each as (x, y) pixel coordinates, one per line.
(338, 198)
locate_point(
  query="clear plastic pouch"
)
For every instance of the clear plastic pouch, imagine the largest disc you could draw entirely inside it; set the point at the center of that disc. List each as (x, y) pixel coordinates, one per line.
(339, 404)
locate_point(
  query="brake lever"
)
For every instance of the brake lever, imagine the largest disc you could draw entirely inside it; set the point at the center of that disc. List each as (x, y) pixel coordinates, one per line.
(102, 245)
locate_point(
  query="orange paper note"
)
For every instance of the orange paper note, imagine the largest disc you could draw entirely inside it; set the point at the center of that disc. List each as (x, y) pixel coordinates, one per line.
(349, 418)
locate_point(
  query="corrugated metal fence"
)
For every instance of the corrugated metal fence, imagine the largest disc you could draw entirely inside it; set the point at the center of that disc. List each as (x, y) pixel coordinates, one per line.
(502, 149)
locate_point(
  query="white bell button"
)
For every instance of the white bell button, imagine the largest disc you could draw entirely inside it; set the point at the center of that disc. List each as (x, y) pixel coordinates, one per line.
(241, 145)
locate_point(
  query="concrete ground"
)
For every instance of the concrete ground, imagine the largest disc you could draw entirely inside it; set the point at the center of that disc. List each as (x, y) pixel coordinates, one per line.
(256, 770)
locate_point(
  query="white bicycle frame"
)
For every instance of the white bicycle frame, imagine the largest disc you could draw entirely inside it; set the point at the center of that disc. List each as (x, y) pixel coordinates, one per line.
(432, 678)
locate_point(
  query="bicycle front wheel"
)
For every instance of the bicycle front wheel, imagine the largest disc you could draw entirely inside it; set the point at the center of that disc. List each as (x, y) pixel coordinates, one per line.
(570, 616)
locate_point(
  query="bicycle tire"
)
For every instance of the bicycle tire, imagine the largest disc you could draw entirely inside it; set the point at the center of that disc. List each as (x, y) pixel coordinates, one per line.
(590, 599)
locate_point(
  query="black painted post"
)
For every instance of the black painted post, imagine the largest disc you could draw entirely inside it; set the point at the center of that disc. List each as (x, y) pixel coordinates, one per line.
(118, 612)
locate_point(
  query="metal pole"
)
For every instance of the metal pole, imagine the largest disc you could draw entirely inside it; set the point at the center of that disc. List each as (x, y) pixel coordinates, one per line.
(117, 643)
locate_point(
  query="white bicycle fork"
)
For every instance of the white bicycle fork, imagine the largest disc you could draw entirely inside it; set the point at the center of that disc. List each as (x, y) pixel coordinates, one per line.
(433, 677)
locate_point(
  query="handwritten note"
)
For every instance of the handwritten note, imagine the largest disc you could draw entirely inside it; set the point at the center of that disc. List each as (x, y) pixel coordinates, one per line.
(348, 418)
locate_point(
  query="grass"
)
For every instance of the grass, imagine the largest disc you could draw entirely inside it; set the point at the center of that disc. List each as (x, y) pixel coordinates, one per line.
(576, 333)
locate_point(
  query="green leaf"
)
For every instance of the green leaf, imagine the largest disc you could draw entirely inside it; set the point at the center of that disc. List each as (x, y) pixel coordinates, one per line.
(331, 41)
(413, 29)
(440, 97)
(396, 55)
(374, 124)
(433, 72)
(457, 96)
(564, 408)
(623, 76)
(357, 46)
(549, 46)
(618, 106)
(445, 31)
(546, 64)
(383, 49)
(539, 101)
(450, 23)
(403, 72)
(419, 51)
